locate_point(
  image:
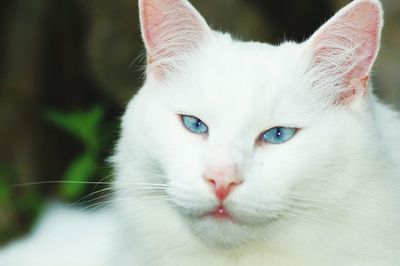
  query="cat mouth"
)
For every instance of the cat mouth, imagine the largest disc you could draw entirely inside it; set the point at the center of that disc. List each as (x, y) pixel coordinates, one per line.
(221, 213)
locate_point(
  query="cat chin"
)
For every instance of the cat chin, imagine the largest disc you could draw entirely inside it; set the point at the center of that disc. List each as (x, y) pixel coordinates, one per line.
(235, 213)
(224, 214)
(223, 233)
(228, 231)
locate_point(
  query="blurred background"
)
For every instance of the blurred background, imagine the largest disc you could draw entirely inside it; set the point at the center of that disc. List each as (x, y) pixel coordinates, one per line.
(68, 67)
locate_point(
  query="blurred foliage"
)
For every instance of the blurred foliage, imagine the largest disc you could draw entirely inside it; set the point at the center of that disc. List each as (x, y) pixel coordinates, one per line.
(27, 201)
(85, 126)
(76, 182)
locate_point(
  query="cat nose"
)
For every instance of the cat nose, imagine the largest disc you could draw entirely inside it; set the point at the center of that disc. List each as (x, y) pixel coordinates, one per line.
(223, 183)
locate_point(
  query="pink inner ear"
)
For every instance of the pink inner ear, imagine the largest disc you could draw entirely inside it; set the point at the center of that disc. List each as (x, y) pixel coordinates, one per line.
(348, 44)
(170, 28)
(151, 18)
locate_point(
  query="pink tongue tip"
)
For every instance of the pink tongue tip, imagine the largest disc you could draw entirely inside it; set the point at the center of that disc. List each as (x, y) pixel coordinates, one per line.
(221, 213)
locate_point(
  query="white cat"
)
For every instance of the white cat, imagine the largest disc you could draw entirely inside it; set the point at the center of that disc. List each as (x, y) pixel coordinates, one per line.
(237, 153)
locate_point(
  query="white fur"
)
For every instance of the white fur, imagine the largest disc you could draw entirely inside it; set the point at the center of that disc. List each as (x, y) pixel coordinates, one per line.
(65, 237)
(330, 196)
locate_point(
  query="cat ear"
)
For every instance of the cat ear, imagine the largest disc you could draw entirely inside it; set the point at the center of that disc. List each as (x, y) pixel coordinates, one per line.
(345, 48)
(170, 30)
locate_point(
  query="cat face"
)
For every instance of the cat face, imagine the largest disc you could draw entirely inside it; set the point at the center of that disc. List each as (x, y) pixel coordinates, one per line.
(200, 120)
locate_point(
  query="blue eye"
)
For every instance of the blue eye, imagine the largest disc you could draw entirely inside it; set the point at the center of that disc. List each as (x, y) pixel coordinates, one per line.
(278, 135)
(194, 125)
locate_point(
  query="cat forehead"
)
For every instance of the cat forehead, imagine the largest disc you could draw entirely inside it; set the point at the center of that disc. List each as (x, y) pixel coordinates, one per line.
(240, 63)
(239, 79)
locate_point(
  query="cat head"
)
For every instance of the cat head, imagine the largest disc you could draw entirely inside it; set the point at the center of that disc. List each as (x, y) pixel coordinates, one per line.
(236, 136)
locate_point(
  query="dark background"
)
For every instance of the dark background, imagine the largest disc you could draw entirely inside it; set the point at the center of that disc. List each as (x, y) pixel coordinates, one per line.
(68, 67)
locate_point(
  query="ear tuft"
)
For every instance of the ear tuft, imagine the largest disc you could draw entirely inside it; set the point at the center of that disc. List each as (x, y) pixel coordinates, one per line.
(345, 48)
(170, 29)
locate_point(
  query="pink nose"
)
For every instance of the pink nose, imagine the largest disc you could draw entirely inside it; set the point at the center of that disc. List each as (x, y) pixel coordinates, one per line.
(223, 184)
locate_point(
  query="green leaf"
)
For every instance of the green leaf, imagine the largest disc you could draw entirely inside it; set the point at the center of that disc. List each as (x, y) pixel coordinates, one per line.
(80, 171)
(6, 174)
(4, 193)
(85, 125)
